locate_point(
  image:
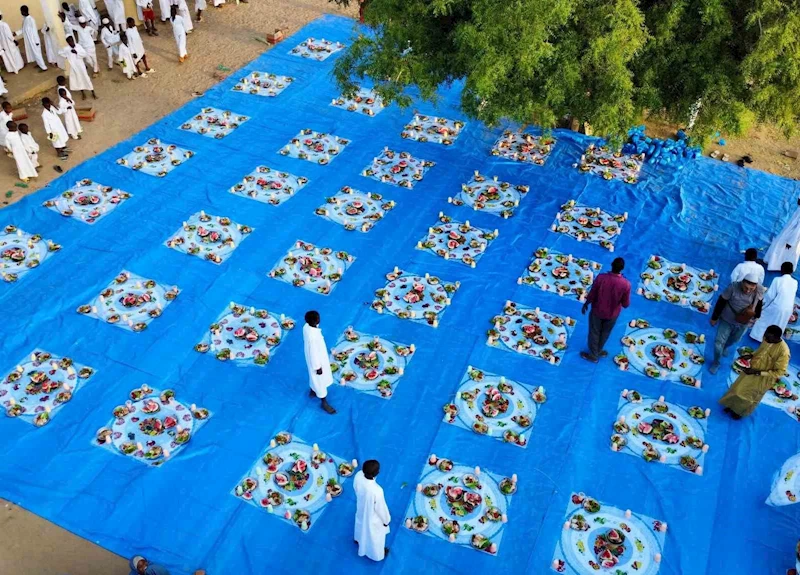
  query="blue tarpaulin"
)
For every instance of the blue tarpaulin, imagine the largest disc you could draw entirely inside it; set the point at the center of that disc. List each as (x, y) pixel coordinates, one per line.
(184, 514)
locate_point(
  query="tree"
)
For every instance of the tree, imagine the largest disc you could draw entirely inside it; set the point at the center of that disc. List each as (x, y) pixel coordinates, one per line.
(605, 62)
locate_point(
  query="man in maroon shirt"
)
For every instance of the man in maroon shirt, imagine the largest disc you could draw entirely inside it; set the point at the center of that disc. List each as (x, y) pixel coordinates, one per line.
(609, 294)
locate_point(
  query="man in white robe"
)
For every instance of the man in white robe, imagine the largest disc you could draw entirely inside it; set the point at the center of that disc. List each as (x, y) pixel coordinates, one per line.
(92, 16)
(86, 41)
(183, 12)
(109, 36)
(116, 11)
(165, 7)
(747, 266)
(137, 46)
(66, 108)
(785, 247)
(130, 67)
(5, 118)
(71, 12)
(69, 29)
(179, 33)
(30, 144)
(14, 144)
(51, 46)
(30, 34)
(372, 514)
(778, 303)
(78, 76)
(55, 129)
(12, 59)
(317, 360)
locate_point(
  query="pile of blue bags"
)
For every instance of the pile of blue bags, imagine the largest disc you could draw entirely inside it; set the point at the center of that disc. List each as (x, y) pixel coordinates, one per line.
(665, 152)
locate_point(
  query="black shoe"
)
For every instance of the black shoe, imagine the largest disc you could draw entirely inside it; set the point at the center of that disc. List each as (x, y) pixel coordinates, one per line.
(603, 353)
(589, 357)
(385, 552)
(328, 407)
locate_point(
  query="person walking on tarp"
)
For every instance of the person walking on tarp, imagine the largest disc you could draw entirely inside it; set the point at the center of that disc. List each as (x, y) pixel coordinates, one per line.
(766, 366)
(609, 294)
(735, 309)
(372, 514)
(317, 360)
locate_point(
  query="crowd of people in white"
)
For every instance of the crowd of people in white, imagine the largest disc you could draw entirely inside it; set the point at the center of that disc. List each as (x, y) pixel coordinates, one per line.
(84, 27)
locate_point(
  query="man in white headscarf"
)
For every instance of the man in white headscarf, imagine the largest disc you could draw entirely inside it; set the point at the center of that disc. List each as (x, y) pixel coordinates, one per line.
(317, 360)
(12, 59)
(109, 36)
(778, 303)
(372, 514)
(86, 42)
(30, 34)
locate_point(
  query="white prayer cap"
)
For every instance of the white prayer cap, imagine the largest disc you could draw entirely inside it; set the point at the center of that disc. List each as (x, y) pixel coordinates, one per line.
(105, 20)
(751, 277)
(82, 20)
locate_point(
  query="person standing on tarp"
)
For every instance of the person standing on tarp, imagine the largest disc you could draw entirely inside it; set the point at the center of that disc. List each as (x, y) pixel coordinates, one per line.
(609, 294)
(317, 360)
(372, 514)
(778, 303)
(766, 366)
(736, 307)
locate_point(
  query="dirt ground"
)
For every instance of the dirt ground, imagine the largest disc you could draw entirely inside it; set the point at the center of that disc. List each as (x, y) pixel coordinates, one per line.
(225, 37)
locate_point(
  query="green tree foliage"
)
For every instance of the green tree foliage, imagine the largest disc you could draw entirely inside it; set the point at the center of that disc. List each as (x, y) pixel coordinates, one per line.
(605, 62)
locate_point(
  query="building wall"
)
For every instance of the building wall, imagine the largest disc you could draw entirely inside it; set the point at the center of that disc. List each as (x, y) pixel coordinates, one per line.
(11, 14)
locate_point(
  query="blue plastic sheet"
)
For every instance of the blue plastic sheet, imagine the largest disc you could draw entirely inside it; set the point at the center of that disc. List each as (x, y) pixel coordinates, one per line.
(183, 514)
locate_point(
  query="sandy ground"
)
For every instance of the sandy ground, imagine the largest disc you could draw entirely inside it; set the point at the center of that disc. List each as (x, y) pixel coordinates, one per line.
(225, 37)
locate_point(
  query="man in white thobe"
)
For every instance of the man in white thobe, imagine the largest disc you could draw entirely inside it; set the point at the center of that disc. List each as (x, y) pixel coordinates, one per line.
(778, 303)
(86, 42)
(14, 144)
(12, 59)
(109, 36)
(372, 514)
(164, 6)
(137, 46)
(5, 118)
(51, 45)
(30, 144)
(179, 33)
(747, 266)
(91, 14)
(116, 11)
(69, 29)
(183, 12)
(317, 360)
(130, 67)
(55, 129)
(785, 247)
(30, 34)
(78, 76)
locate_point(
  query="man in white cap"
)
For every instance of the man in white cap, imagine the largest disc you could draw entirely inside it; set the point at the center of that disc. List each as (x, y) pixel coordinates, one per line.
(30, 34)
(87, 43)
(109, 36)
(91, 14)
(12, 59)
(735, 309)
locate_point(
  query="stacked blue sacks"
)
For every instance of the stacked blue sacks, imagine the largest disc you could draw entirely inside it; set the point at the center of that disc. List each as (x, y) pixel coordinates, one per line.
(666, 152)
